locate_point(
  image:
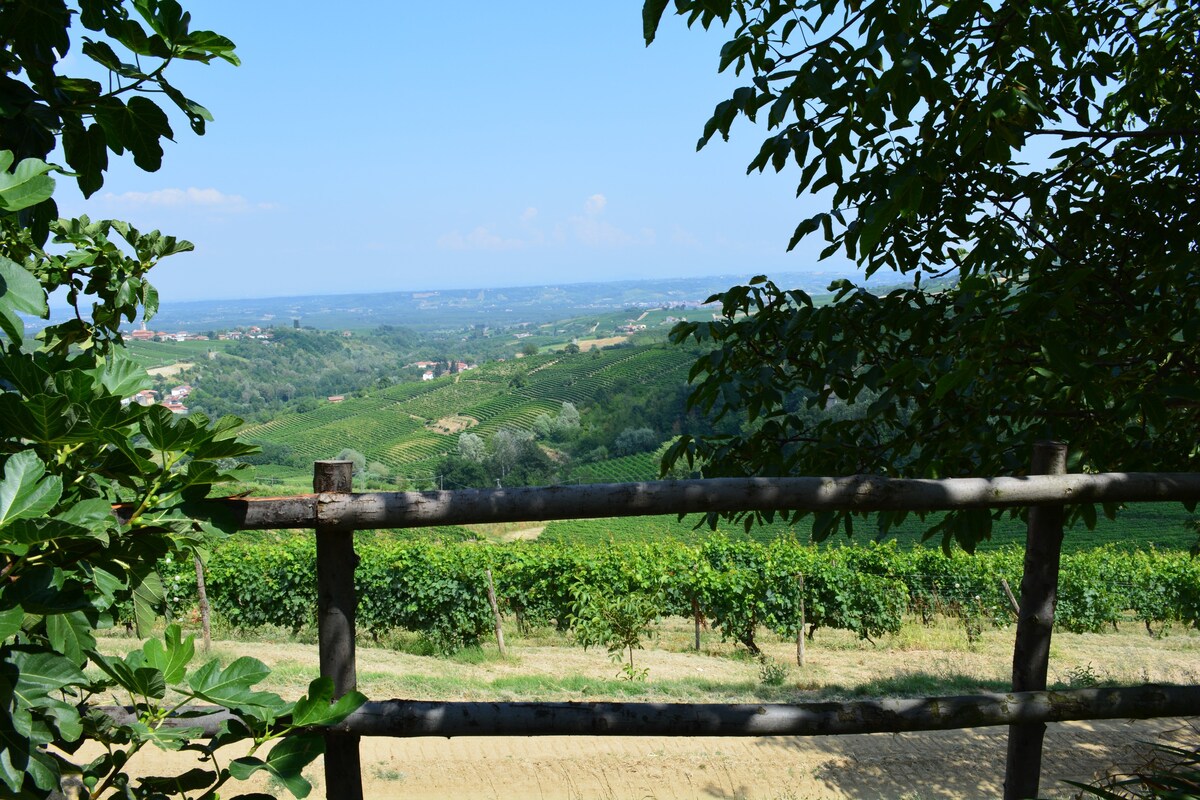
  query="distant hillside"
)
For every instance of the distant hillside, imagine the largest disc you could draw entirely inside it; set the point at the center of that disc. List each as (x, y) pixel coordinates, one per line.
(430, 309)
(411, 427)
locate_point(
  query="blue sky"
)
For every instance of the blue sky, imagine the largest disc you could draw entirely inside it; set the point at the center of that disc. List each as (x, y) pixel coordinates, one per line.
(400, 146)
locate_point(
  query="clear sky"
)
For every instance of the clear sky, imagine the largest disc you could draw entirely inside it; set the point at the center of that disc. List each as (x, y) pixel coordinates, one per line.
(370, 145)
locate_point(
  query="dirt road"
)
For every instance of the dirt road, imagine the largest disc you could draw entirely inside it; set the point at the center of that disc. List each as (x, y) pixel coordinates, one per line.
(944, 764)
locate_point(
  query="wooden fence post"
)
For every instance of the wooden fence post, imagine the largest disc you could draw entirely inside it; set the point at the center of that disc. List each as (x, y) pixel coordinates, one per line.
(803, 622)
(336, 605)
(1035, 623)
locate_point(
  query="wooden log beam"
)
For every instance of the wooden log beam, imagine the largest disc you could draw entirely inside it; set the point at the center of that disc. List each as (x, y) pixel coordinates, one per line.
(365, 511)
(407, 718)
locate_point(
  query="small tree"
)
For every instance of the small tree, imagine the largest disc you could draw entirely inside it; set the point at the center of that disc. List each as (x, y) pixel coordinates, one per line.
(471, 447)
(618, 623)
(568, 418)
(635, 440)
(355, 457)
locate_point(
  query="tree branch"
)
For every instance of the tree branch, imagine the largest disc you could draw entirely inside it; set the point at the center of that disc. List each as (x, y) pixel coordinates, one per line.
(1149, 133)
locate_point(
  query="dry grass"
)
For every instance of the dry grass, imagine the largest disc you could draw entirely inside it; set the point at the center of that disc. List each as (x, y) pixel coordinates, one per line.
(456, 423)
(548, 666)
(170, 370)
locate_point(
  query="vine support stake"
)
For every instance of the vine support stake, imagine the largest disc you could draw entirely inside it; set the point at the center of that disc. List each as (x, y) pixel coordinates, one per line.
(1035, 623)
(803, 622)
(491, 593)
(336, 605)
(202, 600)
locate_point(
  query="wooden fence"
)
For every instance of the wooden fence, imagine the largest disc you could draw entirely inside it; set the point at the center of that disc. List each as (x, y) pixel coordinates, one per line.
(335, 513)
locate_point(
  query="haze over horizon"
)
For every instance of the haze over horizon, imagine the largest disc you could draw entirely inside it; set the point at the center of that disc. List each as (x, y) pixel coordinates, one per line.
(526, 144)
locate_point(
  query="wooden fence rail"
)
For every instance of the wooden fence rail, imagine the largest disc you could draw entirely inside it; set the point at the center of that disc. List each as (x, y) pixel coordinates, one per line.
(368, 510)
(408, 718)
(335, 512)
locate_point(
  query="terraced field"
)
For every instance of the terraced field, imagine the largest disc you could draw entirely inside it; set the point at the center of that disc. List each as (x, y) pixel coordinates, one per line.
(625, 469)
(396, 426)
(159, 354)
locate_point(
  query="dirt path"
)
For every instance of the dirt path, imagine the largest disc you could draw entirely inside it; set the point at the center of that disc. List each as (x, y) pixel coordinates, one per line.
(943, 764)
(925, 766)
(939, 765)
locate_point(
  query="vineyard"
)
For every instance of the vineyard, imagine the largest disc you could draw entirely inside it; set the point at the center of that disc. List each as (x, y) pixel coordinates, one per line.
(1144, 525)
(439, 589)
(398, 426)
(624, 469)
(158, 354)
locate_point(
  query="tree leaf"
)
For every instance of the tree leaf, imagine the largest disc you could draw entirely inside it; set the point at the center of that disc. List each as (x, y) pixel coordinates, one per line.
(230, 687)
(70, 634)
(40, 673)
(26, 186)
(652, 11)
(87, 153)
(26, 490)
(171, 655)
(285, 761)
(21, 290)
(318, 707)
(10, 622)
(122, 375)
(140, 126)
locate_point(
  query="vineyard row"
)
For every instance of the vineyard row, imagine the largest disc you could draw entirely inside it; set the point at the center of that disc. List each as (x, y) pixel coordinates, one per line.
(439, 590)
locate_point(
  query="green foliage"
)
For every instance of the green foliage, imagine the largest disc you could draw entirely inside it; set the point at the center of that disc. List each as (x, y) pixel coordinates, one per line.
(772, 672)
(158, 685)
(439, 591)
(583, 404)
(619, 623)
(96, 490)
(292, 372)
(438, 588)
(1030, 171)
(133, 44)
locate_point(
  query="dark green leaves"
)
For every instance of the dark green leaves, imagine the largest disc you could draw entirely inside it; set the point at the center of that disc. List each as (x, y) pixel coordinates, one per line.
(26, 491)
(67, 441)
(652, 11)
(285, 761)
(116, 114)
(87, 154)
(318, 708)
(1044, 296)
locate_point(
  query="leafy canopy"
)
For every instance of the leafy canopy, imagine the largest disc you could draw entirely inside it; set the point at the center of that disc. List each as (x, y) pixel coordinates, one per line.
(95, 490)
(1030, 170)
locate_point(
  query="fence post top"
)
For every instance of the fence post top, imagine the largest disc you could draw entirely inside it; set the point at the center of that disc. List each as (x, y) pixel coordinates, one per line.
(333, 476)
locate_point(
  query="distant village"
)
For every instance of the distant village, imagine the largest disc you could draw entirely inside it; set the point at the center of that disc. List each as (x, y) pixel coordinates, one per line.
(252, 332)
(173, 401)
(173, 398)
